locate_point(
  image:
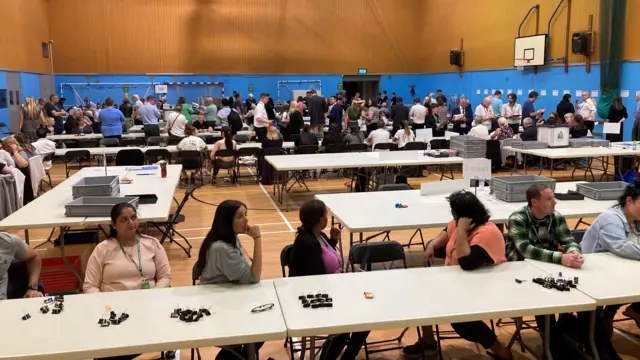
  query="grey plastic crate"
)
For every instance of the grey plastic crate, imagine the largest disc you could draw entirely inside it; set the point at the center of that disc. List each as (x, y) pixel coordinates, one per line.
(471, 155)
(600, 143)
(467, 140)
(97, 206)
(507, 196)
(610, 190)
(520, 183)
(96, 186)
(578, 143)
(529, 145)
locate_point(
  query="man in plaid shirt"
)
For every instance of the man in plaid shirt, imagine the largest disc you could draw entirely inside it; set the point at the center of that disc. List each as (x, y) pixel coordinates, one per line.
(539, 232)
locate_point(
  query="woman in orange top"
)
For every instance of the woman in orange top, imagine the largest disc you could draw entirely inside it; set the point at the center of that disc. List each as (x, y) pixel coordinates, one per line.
(471, 241)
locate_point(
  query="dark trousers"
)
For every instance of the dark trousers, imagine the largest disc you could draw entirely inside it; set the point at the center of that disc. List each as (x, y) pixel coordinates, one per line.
(261, 133)
(332, 348)
(119, 137)
(610, 310)
(515, 128)
(225, 354)
(417, 126)
(590, 125)
(635, 135)
(151, 130)
(477, 332)
(221, 164)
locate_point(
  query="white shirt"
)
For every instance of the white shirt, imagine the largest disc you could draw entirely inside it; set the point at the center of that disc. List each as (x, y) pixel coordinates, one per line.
(7, 159)
(259, 112)
(44, 147)
(402, 137)
(176, 122)
(137, 106)
(418, 113)
(379, 136)
(484, 113)
(192, 143)
(588, 109)
(508, 110)
(480, 131)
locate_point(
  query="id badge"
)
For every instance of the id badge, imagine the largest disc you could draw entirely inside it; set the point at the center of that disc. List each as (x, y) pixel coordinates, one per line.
(464, 125)
(145, 284)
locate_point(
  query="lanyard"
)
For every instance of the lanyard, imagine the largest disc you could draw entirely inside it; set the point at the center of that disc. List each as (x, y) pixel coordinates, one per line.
(535, 228)
(324, 243)
(139, 264)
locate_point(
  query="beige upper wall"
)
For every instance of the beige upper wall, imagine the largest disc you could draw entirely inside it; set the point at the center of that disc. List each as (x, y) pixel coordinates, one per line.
(241, 36)
(24, 27)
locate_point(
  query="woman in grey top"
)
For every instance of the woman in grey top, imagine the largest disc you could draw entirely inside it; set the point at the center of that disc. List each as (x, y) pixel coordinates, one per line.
(355, 136)
(222, 259)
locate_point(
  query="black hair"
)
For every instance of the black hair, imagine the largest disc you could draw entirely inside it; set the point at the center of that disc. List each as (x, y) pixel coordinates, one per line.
(333, 135)
(631, 191)
(566, 97)
(228, 138)
(514, 96)
(497, 92)
(380, 124)
(310, 214)
(221, 230)
(354, 128)
(116, 210)
(306, 128)
(399, 99)
(533, 94)
(182, 100)
(465, 204)
(41, 132)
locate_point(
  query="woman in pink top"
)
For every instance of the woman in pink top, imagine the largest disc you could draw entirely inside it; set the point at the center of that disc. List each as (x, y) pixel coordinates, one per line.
(127, 260)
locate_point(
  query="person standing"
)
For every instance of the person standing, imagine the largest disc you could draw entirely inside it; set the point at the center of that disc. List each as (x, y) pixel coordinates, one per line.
(112, 120)
(588, 110)
(636, 120)
(261, 119)
(496, 103)
(512, 112)
(529, 110)
(417, 114)
(137, 104)
(399, 114)
(462, 116)
(617, 114)
(31, 118)
(211, 111)
(53, 110)
(394, 99)
(317, 106)
(565, 106)
(385, 99)
(149, 114)
(484, 112)
(336, 113)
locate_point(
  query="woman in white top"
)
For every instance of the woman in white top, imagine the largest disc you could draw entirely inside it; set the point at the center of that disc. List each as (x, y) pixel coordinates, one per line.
(227, 142)
(482, 131)
(176, 122)
(192, 142)
(404, 136)
(380, 135)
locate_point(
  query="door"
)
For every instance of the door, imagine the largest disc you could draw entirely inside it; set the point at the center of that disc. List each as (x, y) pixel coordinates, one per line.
(15, 100)
(47, 87)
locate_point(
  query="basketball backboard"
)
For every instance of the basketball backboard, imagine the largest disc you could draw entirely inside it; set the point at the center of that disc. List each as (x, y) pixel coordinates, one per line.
(529, 50)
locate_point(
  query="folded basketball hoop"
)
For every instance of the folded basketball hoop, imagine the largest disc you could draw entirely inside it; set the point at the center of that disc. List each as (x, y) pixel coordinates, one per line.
(521, 63)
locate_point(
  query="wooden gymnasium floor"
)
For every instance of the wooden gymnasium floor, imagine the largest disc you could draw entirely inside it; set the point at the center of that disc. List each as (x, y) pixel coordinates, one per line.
(278, 230)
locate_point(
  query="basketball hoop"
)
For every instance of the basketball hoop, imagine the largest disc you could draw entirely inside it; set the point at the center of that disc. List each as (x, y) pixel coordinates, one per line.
(521, 63)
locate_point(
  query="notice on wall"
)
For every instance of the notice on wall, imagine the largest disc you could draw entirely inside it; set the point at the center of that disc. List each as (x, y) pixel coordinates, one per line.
(554, 92)
(509, 91)
(594, 93)
(486, 91)
(477, 91)
(624, 93)
(125, 88)
(501, 91)
(543, 92)
(566, 92)
(519, 92)
(339, 86)
(493, 91)
(578, 93)
(161, 89)
(476, 169)
(250, 88)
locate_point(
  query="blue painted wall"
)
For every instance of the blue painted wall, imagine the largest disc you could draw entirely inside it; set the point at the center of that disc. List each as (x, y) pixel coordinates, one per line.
(4, 113)
(29, 85)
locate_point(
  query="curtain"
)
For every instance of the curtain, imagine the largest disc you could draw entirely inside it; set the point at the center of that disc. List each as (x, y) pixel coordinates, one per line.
(612, 21)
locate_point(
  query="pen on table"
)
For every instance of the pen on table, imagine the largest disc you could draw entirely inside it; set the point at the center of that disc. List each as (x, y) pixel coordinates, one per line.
(145, 174)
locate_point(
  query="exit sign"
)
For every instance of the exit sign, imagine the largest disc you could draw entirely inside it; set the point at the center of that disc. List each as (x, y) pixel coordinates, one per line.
(362, 71)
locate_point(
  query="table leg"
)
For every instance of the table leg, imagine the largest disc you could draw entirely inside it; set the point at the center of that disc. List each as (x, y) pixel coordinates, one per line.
(551, 168)
(547, 337)
(285, 194)
(26, 236)
(592, 329)
(303, 348)
(524, 162)
(66, 261)
(251, 351)
(312, 348)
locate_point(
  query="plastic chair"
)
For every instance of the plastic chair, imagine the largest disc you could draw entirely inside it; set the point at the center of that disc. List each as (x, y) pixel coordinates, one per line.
(76, 155)
(356, 148)
(414, 145)
(383, 147)
(173, 141)
(241, 138)
(156, 140)
(334, 148)
(109, 142)
(226, 153)
(367, 254)
(175, 219)
(298, 175)
(212, 139)
(192, 161)
(394, 187)
(132, 142)
(152, 156)
(130, 157)
(45, 158)
(89, 143)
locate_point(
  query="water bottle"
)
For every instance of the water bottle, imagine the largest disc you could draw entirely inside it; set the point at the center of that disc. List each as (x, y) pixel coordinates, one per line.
(481, 185)
(429, 147)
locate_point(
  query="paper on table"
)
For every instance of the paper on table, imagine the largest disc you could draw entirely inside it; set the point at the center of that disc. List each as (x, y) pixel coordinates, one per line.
(611, 128)
(566, 92)
(624, 93)
(543, 92)
(594, 93)
(554, 92)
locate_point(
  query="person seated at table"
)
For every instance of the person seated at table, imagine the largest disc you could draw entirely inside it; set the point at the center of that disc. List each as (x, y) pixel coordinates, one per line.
(227, 143)
(481, 130)
(296, 122)
(201, 124)
(569, 119)
(530, 132)
(355, 136)
(191, 142)
(176, 123)
(223, 259)
(538, 232)
(19, 160)
(44, 146)
(78, 123)
(578, 130)
(25, 145)
(126, 260)
(504, 131)
(306, 137)
(616, 230)
(404, 135)
(378, 136)
(12, 247)
(273, 139)
(315, 253)
(471, 241)
(334, 135)
(553, 119)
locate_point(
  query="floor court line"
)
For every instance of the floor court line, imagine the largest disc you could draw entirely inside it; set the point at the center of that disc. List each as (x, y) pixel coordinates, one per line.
(266, 193)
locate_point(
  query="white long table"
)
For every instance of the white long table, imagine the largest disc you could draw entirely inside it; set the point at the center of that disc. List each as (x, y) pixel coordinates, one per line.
(605, 277)
(48, 211)
(172, 148)
(376, 211)
(494, 292)
(132, 135)
(75, 334)
(350, 160)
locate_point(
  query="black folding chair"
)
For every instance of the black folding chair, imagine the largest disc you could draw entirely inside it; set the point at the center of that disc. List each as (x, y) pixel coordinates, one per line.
(48, 157)
(109, 142)
(212, 139)
(298, 175)
(195, 275)
(241, 138)
(152, 156)
(231, 168)
(384, 147)
(356, 148)
(130, 157)
(414, 145)
(132, 142)
(89, 143)
(192, 161)
(175, 219)
(437, 144)
(156, 140)
(6, 132)
(78, 156)
(367, 254)
(334, 148)
(173, 141)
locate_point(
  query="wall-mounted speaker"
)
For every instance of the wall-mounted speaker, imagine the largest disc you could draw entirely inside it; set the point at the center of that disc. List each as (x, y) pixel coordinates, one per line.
(580, 43)
(455, 57)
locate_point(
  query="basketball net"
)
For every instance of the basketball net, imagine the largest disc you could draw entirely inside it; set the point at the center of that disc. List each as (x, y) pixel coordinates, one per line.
(522, 63)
